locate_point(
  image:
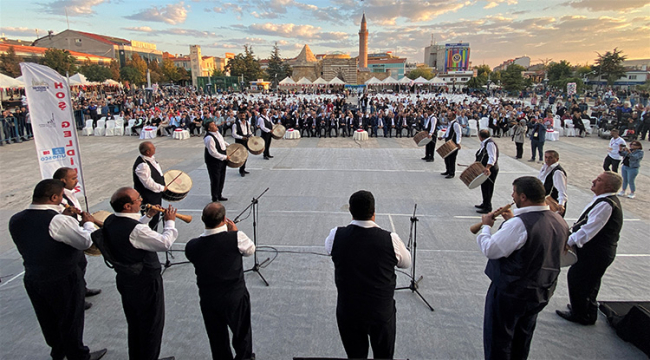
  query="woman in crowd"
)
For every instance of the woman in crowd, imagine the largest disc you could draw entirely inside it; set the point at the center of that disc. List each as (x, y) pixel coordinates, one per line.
(519, 135)
(630, 169)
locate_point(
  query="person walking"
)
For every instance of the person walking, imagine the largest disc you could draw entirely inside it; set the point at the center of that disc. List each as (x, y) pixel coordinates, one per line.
(518, 136)
(630, 169)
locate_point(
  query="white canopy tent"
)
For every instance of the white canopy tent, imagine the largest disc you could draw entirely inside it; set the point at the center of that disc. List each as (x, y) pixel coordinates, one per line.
(336, 81)
(9, 82)
(390, 81)
(287, 82)
(79, 79)
(111, 82)
(436, 81)
(303, 81)
(420, 81)
(373, 81)
(404, 81)
(320, 81)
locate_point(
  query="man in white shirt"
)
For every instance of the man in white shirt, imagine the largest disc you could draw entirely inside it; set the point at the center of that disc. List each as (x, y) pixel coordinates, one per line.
(365, 257)
(524, 264)
(613, 157)
(224, 299)
(215, 159)
(148, 178)
(553, 176)
(265, 124)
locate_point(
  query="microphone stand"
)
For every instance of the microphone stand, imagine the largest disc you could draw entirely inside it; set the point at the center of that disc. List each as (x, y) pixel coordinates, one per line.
(257, 266)
(413, 239)
(169, 253)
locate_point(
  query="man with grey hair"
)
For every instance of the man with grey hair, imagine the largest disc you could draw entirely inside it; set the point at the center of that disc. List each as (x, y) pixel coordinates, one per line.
(595, 235)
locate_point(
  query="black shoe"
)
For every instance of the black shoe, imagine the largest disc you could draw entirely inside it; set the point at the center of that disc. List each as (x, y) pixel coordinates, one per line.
(531, 160)
(568, 315)
(92, 292)
(242, 174)
(270, 156)
(267, 158)
(223, 199)
(87, 305)
(425, 158)
(96, 355)
(246, 172)
(450, 176)
(168, 358)
(444, 173)
(484, 211)
(479, 206)
(429, 160)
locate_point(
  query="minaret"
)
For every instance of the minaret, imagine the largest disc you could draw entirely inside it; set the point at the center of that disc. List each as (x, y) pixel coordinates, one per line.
(363, 43)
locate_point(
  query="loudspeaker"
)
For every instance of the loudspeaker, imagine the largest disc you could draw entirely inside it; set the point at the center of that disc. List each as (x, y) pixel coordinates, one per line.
(631, 321)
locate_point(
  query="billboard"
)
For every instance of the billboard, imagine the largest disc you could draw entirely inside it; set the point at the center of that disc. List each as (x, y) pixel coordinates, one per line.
(456, 57)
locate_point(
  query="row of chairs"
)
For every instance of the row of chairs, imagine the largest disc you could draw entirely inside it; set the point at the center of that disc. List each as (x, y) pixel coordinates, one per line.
(108, 127)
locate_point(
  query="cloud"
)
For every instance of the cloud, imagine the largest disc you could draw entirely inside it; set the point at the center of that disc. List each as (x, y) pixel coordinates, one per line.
(174, 31)
(387, 12)
(73, 7)
(144, 29)
(224, 8)
(605, 5)
(22, 31)
(289, 30)
(171, 14)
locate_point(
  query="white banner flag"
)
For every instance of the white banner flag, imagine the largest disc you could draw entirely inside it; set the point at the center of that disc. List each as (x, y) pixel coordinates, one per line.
(53, 124)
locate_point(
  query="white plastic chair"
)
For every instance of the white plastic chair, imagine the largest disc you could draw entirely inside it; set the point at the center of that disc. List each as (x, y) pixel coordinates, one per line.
(100, 129)
(129, 127)
(588, 127)
(569, 128)
(88, 130)
(473, 127)
(119, 127)
(557, 125)
(110, 128)
(484, 123)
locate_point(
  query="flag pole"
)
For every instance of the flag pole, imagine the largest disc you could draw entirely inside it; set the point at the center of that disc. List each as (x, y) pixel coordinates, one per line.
(76, 136)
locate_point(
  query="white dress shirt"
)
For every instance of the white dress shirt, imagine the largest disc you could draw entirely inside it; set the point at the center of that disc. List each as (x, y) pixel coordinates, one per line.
(598, 217)
(615, 144)
(211, 146)
(70, 194)
(262, 124)
(244, 243)
(559, 181)
(143, 172)
(401, 253)
(66, 229)
(244, 130)
(511, 237)
(457, 130)
(144, 238)
(491, 151)
(434, 122)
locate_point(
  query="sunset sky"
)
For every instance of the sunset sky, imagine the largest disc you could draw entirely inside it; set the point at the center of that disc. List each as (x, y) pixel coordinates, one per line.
(497, 30)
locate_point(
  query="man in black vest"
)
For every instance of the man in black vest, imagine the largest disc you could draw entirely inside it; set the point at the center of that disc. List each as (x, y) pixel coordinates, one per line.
(488, 155)
(430, 124)
(132, 243)
(225, 302)
(595, 235)
(454, 134)
(267, 127)
(554, 178)
(52, 245)
(524, 266)
(365, 257)
(215, 159)
(242, 131)
(68, 177)
(148, 179)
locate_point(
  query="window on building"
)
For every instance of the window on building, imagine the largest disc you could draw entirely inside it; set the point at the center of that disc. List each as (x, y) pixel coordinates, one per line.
(463, 79)
(77, 42)
(632, 77)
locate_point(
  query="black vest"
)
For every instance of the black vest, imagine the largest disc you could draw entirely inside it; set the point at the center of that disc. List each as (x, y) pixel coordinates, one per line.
(531, 272)
(206, 155)
(483, 157)
(267, 123)
(44, 258)
(604, 243)
(240, 130)
(451, 132)
(548, 182)
(148, 196)
(364, 269)
(117, 230)
(217, 261)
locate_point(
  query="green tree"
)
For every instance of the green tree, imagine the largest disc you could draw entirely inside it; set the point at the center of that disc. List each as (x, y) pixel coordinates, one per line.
(183, 74)
(132, 75)
(583, 71)
(483, 70)
(170, 71)
(155, 71)
(140, 66)
(217, 73)
(95, 72)
(511, 78)
(115, 70)
(60, 60)
(10, 63)
(276, 71)
(557, 71)
(425, 72)
(474, 83)
(247, 65)
(610, 64)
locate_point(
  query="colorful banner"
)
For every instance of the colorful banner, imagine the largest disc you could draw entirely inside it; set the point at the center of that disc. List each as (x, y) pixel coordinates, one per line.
(55, 133)
(571, 88)
(456, 57)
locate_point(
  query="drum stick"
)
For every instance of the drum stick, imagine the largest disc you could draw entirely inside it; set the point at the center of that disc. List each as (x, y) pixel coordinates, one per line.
(462, 165)
(177, 176)
(477, 227)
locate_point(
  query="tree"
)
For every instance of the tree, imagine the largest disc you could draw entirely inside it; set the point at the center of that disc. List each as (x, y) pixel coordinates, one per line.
(170, 71)
(132, 75)
(610, 64)
(511, 78)
(474, 83)
(183, 74)
(95, 72)
(155, 72)
(10, 63)
(60, 60)
(217, 73)
(584, 71)
(140, 66)
(115, 70)
(246, 65)
(557, 71)
(421, 71)
(276, 71)
(483, 70)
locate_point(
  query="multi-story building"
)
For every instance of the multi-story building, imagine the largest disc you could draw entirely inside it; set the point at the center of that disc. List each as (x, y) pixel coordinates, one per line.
(434, 56)
(35, 53)
(522, 61)
(395, 66)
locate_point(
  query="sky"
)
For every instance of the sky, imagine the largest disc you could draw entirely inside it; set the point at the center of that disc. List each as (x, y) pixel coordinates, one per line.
(497, 30)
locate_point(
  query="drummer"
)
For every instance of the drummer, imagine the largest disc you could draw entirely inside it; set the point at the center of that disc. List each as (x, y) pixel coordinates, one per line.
(241, 131)
(215, 160)
(266, 126)
(454, 134)
(148, 179)
(488, 156)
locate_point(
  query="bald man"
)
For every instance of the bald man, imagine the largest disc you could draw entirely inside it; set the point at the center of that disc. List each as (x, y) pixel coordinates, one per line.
(148, 178)
(225, 302)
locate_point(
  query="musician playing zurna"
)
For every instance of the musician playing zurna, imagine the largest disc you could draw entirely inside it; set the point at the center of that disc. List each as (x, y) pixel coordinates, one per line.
(524, 264)
(148, 179)
(133, 244)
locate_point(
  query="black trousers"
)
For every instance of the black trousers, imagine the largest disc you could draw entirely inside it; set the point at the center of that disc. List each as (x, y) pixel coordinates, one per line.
(487, 189)
(245, 143)
(520, 150)
(217, 173)
(223, 310)
(450, 163)
(267, 142)
(143, 300)
(584, 283)
(59, 308)
(611, 162)
(430, 148)
(355, 330)
(508, 325)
